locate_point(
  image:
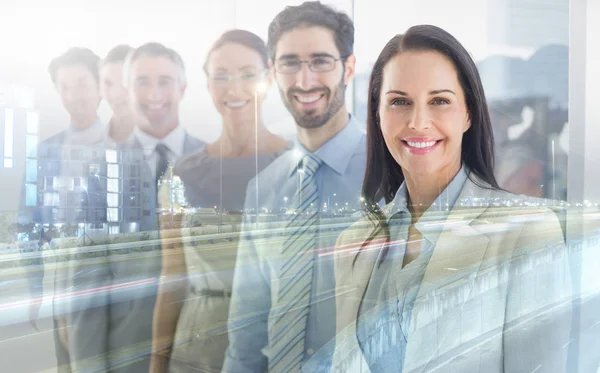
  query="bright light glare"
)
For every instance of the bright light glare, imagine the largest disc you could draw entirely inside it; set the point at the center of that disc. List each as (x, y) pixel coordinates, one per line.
(261, 87)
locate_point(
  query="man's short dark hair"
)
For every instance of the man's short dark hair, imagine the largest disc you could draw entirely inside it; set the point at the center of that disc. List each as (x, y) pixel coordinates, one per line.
(117, 54)
(310, 14)
(75, 56)
(154, 49)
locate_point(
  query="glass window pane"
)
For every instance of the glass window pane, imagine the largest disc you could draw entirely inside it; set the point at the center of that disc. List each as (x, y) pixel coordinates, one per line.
(30, 194)
(8, 163)
(48, 183)
(112, 214)
(32, 122)
(51, 199)
(65, 182)
(111, 156)
(112, 185)
(31, 144)
(113, 171)
(132, 214)
(112, 199)
(8, 132)
(83, 182)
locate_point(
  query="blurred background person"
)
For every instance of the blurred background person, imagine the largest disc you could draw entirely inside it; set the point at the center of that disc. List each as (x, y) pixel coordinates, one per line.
(112, 89)
(75, 76)
(190, 319)
(48, 254)
(77, 82)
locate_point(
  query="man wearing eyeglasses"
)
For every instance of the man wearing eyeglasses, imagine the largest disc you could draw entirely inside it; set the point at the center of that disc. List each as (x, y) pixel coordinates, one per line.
(283, 302)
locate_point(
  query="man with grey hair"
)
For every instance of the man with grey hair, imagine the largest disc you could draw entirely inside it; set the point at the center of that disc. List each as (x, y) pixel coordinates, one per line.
(155, 79)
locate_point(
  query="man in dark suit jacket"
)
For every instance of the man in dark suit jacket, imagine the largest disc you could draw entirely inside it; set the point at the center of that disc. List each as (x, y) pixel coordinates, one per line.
(156, 83)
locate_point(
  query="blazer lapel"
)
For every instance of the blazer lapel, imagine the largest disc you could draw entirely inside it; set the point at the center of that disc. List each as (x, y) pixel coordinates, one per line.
(356, 257)
(191, 144)
(353, 270)
(187, 145)
(456, 259)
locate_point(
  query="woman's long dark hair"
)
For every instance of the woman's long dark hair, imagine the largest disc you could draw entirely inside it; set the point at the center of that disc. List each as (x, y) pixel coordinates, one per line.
(383, 175)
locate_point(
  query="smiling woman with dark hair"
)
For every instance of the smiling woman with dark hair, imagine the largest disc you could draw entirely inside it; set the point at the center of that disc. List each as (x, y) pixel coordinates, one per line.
(443, 275)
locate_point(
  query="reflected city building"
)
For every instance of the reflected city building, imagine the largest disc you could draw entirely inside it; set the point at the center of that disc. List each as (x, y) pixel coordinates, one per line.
(96, 189)
(71, 185)
(528, 108)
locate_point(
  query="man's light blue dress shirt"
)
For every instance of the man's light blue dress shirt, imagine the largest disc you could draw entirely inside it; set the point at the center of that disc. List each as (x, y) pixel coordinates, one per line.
(339, 183)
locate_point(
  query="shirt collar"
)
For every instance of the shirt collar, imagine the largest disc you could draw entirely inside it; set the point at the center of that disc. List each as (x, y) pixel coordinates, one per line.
(174, 141)
(443, 203)
(74, 129)
(109, 138)
(336, 152)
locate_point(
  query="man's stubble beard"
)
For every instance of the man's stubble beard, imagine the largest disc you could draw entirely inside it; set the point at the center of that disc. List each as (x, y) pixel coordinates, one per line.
(309, 120)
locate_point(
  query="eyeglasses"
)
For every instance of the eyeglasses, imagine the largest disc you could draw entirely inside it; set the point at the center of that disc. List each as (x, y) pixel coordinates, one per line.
(321, 64)
(245, 77)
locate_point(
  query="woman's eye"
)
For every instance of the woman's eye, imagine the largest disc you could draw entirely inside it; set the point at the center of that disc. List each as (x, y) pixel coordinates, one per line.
(399, 101)
(440, 101)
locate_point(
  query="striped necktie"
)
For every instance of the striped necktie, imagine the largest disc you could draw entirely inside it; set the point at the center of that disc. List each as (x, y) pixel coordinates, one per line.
(162, 161)
(289, 327)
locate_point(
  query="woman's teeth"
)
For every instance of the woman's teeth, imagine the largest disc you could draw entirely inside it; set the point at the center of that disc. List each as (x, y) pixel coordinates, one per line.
(235, 104)
(155, 106)
(421, 144)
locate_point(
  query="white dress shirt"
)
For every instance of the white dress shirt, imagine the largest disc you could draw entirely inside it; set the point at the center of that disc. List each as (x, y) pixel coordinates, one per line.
(174, 141)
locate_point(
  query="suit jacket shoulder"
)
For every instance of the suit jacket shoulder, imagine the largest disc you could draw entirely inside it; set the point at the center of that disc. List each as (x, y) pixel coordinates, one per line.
(192, 144)
(53, 142)
(57, 139)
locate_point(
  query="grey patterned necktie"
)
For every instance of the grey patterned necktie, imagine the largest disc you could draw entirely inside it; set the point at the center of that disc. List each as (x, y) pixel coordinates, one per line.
(295, 277)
